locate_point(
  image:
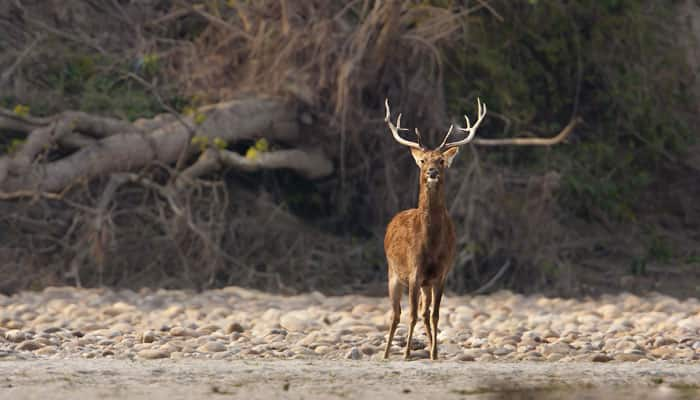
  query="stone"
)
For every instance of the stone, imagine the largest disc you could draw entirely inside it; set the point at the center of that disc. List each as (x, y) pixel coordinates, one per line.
(556, 348)
(631, 355)
(15, 335)
(46, 351)
(601, 358)
(296, 321)
(153, 354)
(29, 345)
(502, 351)
(212, 347)
(182, 332)
(147, 337)
(420, 354)
(173, 311)
(663, 341)
(234, 327)
(354, 354)
(368, 349)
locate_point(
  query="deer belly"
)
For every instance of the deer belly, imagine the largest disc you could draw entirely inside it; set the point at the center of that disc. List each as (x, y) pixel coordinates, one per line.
(430, 273)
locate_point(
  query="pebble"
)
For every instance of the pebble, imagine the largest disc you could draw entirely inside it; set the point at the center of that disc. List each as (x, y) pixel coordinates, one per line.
(148, 337)
(153, 354)
(354, 354)
(15, 335)
(601, 358)
(630, 355)
(235, 327)
(235, 323)
(180, 331)
(368, 349)
(212, 347)
(29, 345)
(556, 348)
(46, 351)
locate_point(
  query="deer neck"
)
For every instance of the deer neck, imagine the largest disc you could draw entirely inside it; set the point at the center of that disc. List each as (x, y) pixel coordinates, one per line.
(431, 203)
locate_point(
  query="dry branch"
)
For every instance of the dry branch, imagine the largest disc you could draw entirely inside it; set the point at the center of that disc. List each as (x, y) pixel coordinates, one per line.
(532, 141)
(311, 164)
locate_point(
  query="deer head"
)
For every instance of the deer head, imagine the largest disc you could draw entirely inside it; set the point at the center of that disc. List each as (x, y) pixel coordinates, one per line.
(433, 163)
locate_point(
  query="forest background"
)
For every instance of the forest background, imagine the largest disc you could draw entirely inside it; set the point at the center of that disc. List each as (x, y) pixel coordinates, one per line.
(183, 144)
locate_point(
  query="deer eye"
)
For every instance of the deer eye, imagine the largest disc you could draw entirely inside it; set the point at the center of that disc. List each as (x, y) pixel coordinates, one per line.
(442, 162)
(422, 161)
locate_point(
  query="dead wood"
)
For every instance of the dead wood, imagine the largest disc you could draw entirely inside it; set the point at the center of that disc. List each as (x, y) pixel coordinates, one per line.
(106, 146)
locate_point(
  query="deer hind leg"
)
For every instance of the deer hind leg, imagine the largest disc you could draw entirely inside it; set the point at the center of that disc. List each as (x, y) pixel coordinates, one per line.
(395, 298)
(413, 306)
(426, 298)
(437, 297)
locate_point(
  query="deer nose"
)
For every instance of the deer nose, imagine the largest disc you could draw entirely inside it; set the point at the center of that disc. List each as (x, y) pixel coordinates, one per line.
(433, 173)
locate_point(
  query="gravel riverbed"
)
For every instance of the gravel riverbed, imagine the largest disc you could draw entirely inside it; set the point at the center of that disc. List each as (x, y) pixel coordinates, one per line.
(236, 323)
(534, 341)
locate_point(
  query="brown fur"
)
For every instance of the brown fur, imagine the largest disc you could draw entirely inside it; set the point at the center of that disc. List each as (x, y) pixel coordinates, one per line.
(420, 250)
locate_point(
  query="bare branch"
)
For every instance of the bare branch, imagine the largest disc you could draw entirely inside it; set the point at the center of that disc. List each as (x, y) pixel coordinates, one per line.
(532, 141)
(12, 121)
(493, 280)
(311, 164)
(18, 61)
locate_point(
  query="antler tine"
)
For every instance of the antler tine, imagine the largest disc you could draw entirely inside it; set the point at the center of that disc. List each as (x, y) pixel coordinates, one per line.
(420, 138)
(471, 129)
(449, 132)
(396, 128)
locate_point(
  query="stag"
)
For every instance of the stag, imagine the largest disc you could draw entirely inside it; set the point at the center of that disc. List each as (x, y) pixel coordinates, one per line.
(420, 242)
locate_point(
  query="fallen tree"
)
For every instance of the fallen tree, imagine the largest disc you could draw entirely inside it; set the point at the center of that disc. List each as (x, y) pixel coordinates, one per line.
(97, 145)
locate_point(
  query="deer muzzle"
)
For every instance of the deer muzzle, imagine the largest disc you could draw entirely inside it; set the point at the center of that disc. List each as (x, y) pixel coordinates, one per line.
(433, 175)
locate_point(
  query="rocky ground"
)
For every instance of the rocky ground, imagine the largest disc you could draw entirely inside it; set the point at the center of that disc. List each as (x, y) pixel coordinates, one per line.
(652, 340)
(235, 323)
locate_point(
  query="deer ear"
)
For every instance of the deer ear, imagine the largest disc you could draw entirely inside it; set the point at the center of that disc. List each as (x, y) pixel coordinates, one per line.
(450, 154)
(418, 155)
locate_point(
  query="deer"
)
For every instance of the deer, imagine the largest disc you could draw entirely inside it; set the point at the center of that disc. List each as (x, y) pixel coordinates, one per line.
(420, 242)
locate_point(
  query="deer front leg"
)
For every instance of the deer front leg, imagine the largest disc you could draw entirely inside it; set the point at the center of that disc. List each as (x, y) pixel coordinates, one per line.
(426, 298)
(395, 298)
(437, 297)
(413, 292)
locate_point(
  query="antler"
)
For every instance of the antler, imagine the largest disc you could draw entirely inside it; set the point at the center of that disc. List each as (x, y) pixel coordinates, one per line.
(396, 128)
(481, 113)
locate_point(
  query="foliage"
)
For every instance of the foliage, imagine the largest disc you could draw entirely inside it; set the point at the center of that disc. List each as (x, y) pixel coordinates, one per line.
(97, 83)
(616, 63)
(261, 145)
(21, 110)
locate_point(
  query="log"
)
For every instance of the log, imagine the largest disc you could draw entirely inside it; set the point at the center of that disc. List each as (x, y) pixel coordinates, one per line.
(107, 146)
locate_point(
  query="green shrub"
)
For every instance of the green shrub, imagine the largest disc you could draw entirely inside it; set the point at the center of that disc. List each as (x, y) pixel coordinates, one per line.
(617, 63)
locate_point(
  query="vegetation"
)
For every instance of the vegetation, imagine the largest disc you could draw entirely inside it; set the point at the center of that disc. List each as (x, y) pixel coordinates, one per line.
(536, 63)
